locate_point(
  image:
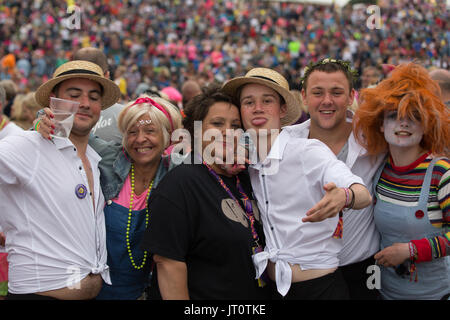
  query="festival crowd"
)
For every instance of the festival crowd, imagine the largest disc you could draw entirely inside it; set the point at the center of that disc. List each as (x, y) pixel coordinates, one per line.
(224, 150)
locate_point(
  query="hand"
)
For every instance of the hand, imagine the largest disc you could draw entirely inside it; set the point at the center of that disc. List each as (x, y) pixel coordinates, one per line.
(329, 206)
(233, 169)
(393, 255)
(240, 158)
(46, 124)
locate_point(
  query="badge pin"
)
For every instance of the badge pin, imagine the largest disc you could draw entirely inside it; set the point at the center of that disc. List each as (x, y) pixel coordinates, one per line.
(81, 191)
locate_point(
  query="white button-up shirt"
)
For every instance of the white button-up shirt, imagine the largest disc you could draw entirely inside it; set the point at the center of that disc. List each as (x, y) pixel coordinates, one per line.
(10, 129)
(53, 238)
(286, 185)
(360, 237)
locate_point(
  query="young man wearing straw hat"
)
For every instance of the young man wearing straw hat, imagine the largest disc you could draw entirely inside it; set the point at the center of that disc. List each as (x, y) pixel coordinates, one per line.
(51, 203)
(295, 181)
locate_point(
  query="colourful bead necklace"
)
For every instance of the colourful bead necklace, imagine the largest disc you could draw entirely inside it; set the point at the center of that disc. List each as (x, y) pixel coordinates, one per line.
(3, 122)
(129, 220)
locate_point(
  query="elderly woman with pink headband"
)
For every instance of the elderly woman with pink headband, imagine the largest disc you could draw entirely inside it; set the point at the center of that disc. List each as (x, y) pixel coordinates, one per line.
(129, 172)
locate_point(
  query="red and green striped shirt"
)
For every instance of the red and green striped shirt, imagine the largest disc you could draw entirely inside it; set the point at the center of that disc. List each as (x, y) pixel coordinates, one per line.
(402, 186)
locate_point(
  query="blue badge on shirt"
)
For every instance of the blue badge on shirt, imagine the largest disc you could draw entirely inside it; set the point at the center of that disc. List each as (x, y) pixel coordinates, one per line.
(81, 191)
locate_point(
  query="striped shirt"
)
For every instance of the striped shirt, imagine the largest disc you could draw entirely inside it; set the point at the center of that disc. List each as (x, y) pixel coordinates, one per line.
(402, 186)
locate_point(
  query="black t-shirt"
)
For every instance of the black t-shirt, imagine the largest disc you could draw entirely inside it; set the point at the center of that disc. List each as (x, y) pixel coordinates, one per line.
(194, 220)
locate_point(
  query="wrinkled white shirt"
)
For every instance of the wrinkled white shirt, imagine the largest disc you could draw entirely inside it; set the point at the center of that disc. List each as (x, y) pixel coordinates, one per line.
(286, 185)
(361, 239)
(10, 129)
(53, 238)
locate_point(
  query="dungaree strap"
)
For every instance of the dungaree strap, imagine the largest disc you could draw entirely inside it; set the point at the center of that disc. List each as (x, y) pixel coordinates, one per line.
(427, 181)
(377, 176)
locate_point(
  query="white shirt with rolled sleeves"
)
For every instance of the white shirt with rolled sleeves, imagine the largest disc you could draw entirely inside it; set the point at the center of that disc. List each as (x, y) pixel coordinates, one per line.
(53, 238)
(286, 185)
(361, 239)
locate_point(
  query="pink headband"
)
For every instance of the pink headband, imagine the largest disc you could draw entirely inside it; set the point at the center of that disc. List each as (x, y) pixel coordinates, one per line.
(156, 105)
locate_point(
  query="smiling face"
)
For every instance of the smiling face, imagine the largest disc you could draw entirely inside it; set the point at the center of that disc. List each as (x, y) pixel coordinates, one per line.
(327, 96)
(220, 117)
(403, 132)
(144, 141)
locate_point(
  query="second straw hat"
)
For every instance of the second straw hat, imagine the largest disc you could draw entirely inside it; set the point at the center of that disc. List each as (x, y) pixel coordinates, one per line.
(79, 69)
(271, 79)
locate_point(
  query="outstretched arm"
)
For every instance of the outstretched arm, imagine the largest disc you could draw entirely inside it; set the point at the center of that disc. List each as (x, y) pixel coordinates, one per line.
(335, 199)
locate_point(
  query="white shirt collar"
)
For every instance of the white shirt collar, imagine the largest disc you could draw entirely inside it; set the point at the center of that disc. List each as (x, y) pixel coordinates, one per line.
(62, 143)
(276, 150)
(278, 146)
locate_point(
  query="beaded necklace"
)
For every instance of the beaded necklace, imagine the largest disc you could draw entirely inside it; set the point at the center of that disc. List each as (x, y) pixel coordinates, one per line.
(129, 220)
(248, 208)
(3, 122)
(256, 248)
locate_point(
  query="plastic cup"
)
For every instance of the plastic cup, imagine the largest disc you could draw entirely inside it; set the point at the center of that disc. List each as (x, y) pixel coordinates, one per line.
(64, 112)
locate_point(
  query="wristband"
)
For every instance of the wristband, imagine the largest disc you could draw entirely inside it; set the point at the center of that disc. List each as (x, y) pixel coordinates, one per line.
(352, 203)
(37, 125)
(347, 195)
(412, 258)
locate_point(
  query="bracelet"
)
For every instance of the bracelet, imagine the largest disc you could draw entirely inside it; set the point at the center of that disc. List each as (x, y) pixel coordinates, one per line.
(347, 196)
(412, 252)
(412, 258)
(37, 125)
(352, 203)
(349, 201)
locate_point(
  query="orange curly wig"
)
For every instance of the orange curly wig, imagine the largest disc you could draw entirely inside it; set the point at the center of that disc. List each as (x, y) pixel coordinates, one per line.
(409, 90)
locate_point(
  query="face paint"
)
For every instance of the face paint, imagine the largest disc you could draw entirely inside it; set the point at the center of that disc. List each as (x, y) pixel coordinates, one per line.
(403, 132)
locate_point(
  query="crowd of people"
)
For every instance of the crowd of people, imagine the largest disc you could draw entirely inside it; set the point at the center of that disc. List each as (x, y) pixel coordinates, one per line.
(334, 173)
(164, 43)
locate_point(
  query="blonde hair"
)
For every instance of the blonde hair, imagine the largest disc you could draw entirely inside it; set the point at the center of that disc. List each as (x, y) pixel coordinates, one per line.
(132, 112)
(29, 101)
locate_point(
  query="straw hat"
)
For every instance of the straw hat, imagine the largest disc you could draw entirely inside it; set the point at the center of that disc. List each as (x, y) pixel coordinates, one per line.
(271, 79)
(79, 69)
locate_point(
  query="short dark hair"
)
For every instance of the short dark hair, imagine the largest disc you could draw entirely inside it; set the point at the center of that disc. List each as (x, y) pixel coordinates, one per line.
(197, 108)
(330, 66)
